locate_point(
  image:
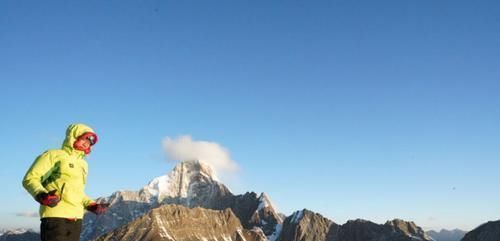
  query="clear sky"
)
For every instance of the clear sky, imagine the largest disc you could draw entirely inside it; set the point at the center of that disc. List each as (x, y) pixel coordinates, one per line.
(353, 109)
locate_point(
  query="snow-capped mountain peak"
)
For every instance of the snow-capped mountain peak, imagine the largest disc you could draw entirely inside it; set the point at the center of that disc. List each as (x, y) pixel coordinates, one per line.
(297, 216)
(158, 185)
(179, 182)
(265, 203)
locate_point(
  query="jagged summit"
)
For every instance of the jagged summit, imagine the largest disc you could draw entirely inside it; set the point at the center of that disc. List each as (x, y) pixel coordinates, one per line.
(409, 228)
(265, 203)
(178, 182)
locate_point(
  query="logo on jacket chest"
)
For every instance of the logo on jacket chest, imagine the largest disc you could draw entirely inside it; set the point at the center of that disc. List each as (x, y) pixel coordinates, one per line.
(71, 165)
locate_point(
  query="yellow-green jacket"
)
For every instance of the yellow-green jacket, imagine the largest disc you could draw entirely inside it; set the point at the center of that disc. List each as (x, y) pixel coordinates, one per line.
(59, 168)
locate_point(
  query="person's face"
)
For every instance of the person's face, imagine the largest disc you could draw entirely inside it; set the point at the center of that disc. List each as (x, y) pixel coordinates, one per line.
(82, 144)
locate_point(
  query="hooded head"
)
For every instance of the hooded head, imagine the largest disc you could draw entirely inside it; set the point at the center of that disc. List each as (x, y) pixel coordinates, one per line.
(75, 131)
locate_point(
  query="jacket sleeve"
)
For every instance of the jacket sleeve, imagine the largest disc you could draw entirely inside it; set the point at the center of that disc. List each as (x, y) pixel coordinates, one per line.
(42, 166)
(87, 201)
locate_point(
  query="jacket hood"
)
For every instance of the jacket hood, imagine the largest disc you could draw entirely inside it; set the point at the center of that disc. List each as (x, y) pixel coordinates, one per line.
(72, 133)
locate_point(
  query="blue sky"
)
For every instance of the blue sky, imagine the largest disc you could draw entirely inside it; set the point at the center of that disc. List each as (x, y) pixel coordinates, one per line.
(354, 109)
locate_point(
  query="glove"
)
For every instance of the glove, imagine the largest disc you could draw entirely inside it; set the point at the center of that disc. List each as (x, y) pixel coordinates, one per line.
(98, 208)
(48, 199)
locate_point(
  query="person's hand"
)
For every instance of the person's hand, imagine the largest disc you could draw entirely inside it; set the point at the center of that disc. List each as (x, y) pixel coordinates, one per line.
(98, 208)
(48, 199)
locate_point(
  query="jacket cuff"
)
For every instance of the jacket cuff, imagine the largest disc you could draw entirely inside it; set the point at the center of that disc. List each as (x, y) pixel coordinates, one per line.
(38, 191)
(87, 202)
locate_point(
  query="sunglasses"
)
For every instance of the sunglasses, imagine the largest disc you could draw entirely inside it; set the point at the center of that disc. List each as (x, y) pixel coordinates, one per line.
(91, 139)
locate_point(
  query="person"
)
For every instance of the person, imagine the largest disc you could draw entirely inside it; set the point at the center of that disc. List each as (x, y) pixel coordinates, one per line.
(56, 180)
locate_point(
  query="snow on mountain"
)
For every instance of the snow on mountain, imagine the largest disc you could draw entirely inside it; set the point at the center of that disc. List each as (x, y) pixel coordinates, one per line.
(274, 236)
(15, 231)
(265, 202)
(179, 181)
(297, 215)
(19, 234)
(266, 217)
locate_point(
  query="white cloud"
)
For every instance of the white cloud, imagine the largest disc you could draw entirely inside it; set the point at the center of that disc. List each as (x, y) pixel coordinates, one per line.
(185, 148)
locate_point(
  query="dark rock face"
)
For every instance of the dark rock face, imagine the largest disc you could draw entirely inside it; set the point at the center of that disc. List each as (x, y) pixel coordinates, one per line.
(447, 235)
(358, 230)
(256, 211)
(178, 223)
(489, 231)
(23, 236)
(306, 226)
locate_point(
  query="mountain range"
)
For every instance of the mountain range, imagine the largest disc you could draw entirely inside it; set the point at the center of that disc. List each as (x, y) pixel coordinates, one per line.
(19, 235)
(191, 204)
(193, 184)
